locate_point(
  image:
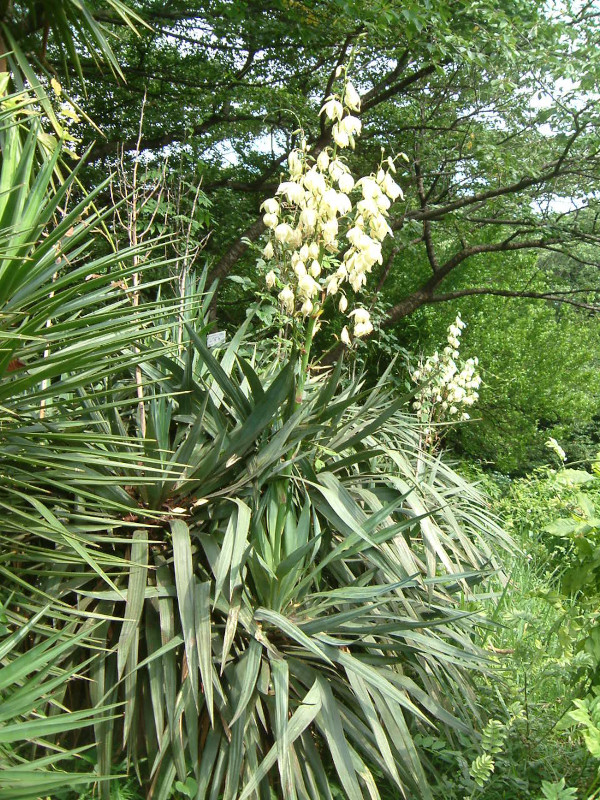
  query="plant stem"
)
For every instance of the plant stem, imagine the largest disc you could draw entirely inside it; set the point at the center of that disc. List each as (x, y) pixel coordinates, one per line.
(285, 486)
(310, 331)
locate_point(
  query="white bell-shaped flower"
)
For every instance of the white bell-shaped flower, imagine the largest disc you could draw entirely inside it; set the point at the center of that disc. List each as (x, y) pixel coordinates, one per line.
(284, 232)
(271, 206)
(351, 97)
(287, 299)
(295, 164)
(270, 279)
(346, 182)
(391, 188)
(340, 137)
(323, 160)
(351, 125)
(333, 109)
(307, 308)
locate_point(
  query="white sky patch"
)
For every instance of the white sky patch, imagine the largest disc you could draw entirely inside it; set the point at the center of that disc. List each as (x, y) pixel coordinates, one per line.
(267, 143)
(564, 205)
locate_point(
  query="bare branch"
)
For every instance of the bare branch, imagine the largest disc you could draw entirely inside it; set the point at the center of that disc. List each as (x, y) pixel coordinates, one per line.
(426, 223)
(556, 297)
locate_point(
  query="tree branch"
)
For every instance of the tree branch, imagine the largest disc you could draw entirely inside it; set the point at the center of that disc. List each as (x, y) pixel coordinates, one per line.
(371, 98)
(556, 297)
(236, 251)
(433, 262)
(108, 148)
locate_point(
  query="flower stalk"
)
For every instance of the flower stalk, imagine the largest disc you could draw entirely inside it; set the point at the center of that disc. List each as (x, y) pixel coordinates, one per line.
(447, 386)
(304, 361)
(326, 229)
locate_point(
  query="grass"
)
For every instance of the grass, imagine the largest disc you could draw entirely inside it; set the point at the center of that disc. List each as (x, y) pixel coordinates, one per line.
(538, 642)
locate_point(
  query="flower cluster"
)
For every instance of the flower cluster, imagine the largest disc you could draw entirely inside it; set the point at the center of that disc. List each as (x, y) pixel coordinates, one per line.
(319, 237)
(447, 385)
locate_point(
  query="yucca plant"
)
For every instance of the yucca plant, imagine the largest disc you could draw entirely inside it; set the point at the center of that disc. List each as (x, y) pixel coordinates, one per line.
(305, 582)
(293, 607)
(32, 713)
(67, 330)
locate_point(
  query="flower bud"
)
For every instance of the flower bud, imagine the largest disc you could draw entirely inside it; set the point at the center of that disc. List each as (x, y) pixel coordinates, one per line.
(268, 251)
(343, 304)
(345, 336)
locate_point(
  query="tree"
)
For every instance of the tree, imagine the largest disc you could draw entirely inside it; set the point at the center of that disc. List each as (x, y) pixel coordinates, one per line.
(492, 102)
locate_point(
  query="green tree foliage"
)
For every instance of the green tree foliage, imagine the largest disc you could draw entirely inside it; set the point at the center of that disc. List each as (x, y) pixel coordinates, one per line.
(493, 104)
(489, 102)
